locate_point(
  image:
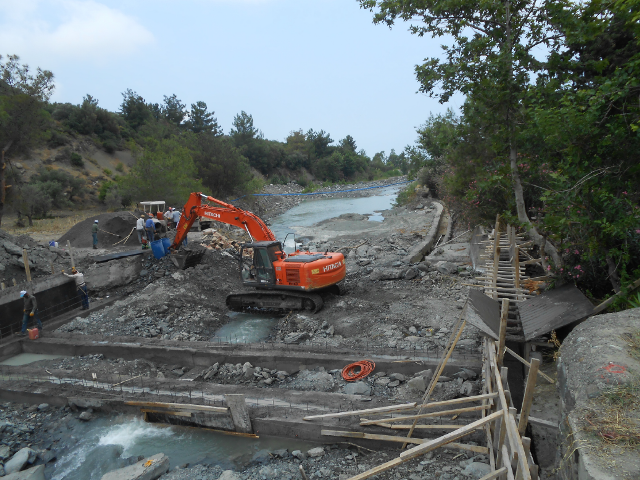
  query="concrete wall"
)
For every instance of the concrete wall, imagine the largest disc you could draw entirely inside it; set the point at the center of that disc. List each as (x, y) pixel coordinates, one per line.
(55, 295)
(595, 358)
(206, 355)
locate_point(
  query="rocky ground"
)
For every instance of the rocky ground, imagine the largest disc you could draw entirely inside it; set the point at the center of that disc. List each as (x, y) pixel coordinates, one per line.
(389, 303)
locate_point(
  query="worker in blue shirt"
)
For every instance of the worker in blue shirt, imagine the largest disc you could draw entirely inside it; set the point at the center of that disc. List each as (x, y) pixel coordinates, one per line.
(150, 227)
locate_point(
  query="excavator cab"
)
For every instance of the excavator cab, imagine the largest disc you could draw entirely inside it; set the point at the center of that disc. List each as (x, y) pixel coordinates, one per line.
(256, 265)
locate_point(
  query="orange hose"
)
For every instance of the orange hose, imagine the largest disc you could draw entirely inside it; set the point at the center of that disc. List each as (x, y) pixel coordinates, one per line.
(358, 370)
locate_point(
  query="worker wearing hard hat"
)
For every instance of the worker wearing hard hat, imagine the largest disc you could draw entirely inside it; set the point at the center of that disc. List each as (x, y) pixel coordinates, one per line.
(94, 234)
(30, 310)
(140, 227)
(81, 286)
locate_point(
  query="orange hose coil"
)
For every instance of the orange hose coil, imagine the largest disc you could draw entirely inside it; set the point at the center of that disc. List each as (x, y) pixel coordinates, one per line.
(356, 371)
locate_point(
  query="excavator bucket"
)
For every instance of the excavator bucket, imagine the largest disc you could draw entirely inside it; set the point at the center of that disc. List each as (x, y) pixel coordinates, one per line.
(187, 259)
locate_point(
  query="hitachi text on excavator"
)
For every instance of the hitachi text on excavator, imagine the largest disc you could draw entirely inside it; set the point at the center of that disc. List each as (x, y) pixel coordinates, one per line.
(283, 282)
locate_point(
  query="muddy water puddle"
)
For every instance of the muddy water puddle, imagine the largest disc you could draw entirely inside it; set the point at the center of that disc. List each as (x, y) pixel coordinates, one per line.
(92, 449)
(246, 327)
(27, 358)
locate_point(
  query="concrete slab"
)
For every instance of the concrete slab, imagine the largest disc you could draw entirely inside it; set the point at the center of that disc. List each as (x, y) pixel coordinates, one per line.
(147, 469)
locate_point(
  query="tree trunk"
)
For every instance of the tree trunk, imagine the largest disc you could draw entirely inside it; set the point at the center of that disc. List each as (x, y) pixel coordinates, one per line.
(545, 246)
(613, 274)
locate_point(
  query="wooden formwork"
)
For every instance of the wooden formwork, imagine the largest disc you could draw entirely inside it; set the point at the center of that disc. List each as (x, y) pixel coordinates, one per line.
(508, 450)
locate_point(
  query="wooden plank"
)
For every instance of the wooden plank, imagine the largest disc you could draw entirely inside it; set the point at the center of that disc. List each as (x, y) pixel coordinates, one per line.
(528, 395)
(508, 421)
(393, 438)
(475, 398)
(443, 363)
(424, 415)
(25, 260)
(166, 412)
(179, 406)
(543, 423)
(449, 437)
(372, 411)
(420, 427)
(542, 374)
(73, 264)
(506, 463)
(503, 329)
(379, 469)
(494, 474)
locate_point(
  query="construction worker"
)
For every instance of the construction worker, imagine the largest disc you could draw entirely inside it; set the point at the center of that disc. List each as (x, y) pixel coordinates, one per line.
(81, 286)
(175, 214)
(150, 227)
(30, 310)
(168, 216)
(140, 227)
(94, 234)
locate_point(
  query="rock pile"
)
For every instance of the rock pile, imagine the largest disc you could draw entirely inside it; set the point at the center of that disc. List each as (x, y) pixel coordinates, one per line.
(40, 255)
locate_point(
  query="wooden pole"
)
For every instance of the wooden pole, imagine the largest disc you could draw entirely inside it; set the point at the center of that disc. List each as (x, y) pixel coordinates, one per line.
(73, 264)
(504, 314)
(528, 395)
(610, 300)
(14, 282)
(434, 380)
(3, 286)
(528, 365)
(25, 259)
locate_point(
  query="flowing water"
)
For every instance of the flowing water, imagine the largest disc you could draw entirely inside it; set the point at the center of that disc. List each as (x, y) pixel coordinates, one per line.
(310, 212)
(246, 327)
(105, 443)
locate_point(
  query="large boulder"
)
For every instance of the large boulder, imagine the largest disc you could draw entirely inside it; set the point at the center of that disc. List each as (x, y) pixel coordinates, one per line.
(33, 473)
(357, 388)
(229, 475)
(11, 248)
(147, 469)
(19, 460)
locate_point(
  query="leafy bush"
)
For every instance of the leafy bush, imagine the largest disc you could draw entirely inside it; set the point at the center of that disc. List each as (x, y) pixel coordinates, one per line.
(120, 167)
(57, 140)
(76, 160)
(109, 146)
(406, 194)
(107, 172)
(104, 190)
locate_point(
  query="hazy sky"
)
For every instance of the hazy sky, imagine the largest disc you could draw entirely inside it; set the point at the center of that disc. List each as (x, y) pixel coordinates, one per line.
(292, 64)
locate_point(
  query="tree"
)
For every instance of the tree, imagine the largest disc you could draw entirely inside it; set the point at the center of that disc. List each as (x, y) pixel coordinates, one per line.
(165, 169)
(221, 167)
(491, 60)
(31, 201)
(173, 110)
(15, 79)
(348, 144)
(23, 120)
(243, 130)
(201, 120)
(134, 109)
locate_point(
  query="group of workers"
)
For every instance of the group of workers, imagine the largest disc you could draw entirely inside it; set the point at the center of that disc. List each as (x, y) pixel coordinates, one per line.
(146, 229)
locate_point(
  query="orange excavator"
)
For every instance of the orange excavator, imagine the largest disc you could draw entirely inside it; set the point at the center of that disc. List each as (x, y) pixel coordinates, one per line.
(283, 281)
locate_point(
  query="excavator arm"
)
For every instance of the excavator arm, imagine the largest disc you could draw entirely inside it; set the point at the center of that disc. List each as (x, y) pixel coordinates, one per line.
(225, 213)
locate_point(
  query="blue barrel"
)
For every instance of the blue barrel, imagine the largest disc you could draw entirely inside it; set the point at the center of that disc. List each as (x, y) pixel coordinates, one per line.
(166, 243)
(158, 249)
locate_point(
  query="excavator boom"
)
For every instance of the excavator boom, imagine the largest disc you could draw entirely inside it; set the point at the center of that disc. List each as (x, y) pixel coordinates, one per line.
(266, 266)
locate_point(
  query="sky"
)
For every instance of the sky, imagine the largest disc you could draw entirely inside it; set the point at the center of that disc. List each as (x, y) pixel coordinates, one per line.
(291, 64)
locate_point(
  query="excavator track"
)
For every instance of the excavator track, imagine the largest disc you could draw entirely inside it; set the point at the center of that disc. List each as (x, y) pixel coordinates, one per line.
(279, 301)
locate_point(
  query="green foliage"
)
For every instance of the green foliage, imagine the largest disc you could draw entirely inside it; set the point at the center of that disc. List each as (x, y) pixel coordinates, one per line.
(164, 169)
(406, 195)
(60, 186)
(107, 172)
(31, 201)
(120, 167)
(76, 160)
(201, 120)
(134, 109)
(310, 188)
(104, 189)
(173, 110)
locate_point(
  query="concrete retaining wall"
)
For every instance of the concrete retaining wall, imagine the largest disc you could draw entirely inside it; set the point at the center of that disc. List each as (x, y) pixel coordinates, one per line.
(55, 295)
(595, 358)
(418, 252)
(206, 355)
